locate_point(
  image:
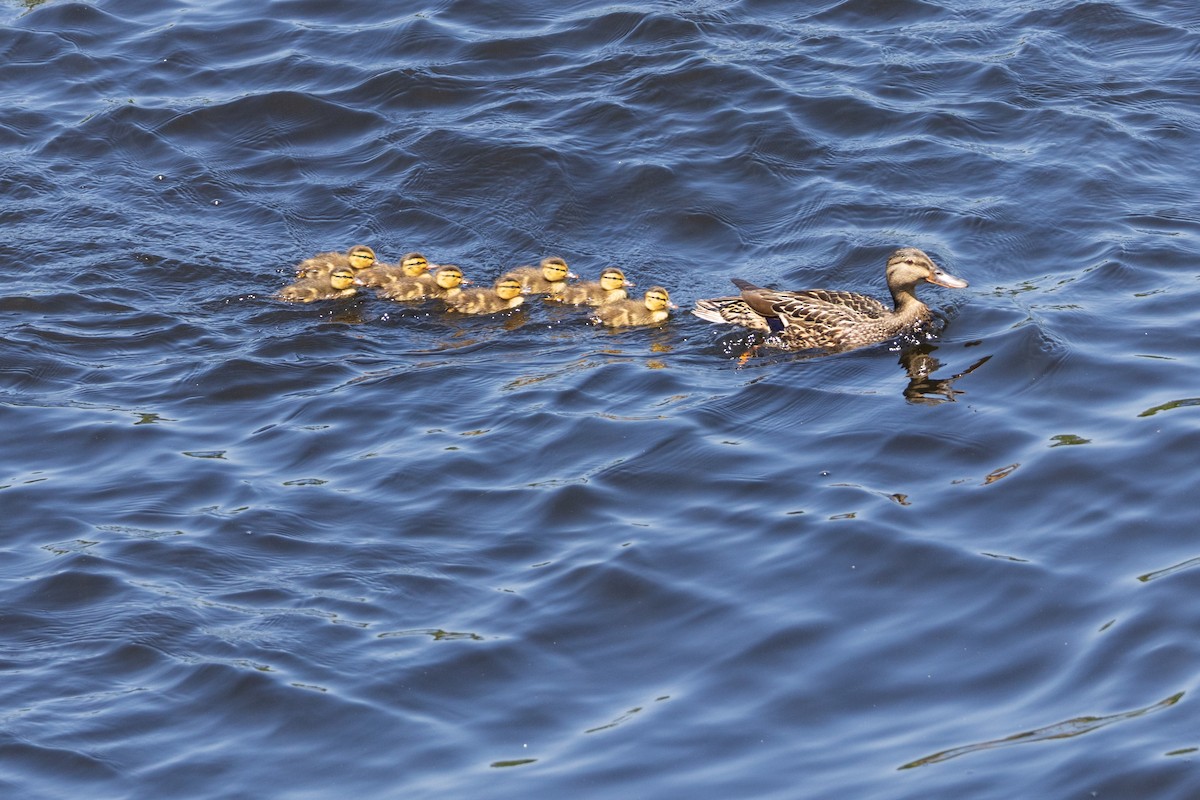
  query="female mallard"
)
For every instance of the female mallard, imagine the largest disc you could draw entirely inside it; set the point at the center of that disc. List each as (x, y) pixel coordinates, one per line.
(609, 289)
(507, 293)
(322, 265)
(650, 310)
(340, 283)
(446, 282)
(413, 265)
(831, 320)
(550, 277)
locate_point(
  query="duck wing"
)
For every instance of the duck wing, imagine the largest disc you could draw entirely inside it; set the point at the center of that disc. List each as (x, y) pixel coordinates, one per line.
(813, 306)
(735, 311)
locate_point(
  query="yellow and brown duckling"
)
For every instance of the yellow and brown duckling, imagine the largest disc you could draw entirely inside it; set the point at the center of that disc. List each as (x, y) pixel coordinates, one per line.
(447, 282)
(412, 266)
(339, 284)
(654, 308)
(357, 258)
(834, 320)
(505, 294)
(609, 289)
(549, 277)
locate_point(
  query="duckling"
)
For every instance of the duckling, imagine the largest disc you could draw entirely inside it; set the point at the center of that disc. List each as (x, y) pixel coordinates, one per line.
(550, 277)
(609, 289)
(446, 283)
(339, 284)
(413, 265)
(321, 265)
(653, 309)
(505, 294)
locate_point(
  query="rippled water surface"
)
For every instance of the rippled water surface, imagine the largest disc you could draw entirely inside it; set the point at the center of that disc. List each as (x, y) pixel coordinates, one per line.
(366, 549)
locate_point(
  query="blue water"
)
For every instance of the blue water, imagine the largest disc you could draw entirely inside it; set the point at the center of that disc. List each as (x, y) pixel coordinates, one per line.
(365, 549)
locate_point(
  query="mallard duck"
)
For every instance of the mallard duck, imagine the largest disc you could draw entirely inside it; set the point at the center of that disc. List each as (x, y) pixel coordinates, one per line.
(549, 277)
(652, 309)
(413, 265)
(505, 294)
(609, 289)
(340, 283)
(833, 320)
(321, 265)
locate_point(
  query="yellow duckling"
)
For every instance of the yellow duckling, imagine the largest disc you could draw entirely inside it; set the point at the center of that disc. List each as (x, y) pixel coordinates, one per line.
(505, 294)
(609, 289)
(653, 309)
(550, 277)
(447, 282)
(340, 283)
(322, 265)
(413, 265)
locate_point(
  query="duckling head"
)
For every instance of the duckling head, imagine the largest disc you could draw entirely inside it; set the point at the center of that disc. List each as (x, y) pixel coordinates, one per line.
(341, 278)
(508, 287)
(612, 279)
(414, 264)
(360, 256)
(448, 277)
(657, 299)
(554, 269)
(908, 266)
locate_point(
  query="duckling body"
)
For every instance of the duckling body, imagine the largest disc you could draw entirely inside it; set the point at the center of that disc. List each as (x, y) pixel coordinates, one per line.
(834, 320)
(550, 277)
(653, 309)
(412, 265)
(339, 284)
(444, 283)
(407, 289)
(322, 265)
(609, 289)
(507, 293)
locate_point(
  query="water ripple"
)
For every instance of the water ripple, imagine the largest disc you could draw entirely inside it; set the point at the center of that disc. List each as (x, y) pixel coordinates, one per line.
(250, 543)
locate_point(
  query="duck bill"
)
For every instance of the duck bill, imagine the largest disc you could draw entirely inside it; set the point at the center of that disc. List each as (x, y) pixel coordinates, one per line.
(941, 278)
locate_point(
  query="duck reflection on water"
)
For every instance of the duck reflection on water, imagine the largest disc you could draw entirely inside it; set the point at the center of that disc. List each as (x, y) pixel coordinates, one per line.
(919, 364)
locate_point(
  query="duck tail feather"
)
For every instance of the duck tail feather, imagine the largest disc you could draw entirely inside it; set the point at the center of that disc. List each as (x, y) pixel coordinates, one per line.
(709, 311)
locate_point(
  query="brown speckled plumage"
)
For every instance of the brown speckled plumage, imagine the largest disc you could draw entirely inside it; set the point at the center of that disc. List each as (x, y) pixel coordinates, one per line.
(833, 320)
